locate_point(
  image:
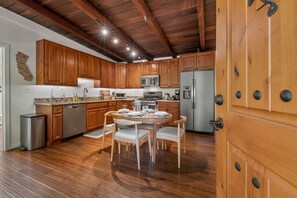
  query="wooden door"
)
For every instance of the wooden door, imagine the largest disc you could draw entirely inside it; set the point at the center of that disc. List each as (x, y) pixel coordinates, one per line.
(129, 75)
(120, 77)
(145, 68)
(100, 116)
(82, 64)
(164, 75)
(111, 75)
(137, 74)
(70, 67)
(53, 63)
(57, 126)
(153, 67)
(260, 62)
(92, 119)
(188, 62)
(104, 81)
(96, 68)
(174, 73)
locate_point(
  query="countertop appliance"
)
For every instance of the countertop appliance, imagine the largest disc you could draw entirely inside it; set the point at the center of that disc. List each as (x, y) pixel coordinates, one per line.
(149, 81)
(196, 100)
(120, 95)
(74, 120)
(150, 98)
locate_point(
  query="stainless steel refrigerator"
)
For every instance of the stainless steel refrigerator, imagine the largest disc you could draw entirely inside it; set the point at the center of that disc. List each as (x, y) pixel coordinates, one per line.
(197, 100)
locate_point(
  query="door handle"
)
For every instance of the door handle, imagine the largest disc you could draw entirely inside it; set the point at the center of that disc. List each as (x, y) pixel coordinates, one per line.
(217, 124)
(219, 99)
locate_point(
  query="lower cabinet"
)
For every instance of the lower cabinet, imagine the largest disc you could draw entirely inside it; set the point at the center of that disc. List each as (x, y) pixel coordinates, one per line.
(172, 108)
(124, 105)
(248, 178)
(54, 122)
(95, 115)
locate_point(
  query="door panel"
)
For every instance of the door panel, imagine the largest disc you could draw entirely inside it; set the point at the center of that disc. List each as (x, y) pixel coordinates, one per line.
(283, 55)
(258, 69)
(238, 52)
(70, 67)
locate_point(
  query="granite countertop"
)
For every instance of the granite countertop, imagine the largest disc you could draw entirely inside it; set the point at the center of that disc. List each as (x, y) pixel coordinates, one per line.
(66, 101)
(168, 101)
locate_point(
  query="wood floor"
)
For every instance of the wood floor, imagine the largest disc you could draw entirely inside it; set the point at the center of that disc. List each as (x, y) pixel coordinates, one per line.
(76, 168)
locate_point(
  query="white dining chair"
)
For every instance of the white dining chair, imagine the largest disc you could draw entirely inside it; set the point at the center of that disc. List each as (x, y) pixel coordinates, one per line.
(130, 135)
(174, 134)
(107, 128)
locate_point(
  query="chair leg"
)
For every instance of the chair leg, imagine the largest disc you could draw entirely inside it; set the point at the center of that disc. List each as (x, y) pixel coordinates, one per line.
(103, 139)
(157, 144)
(165, 145)
(184, 142)
(112, 147)
(127, 147)
(119, 147)
(162, 144)
(137, 153)
(149, 142)
(178, 153)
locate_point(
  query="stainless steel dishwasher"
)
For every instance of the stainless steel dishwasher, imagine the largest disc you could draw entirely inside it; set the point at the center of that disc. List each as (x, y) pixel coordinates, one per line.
(74, 119)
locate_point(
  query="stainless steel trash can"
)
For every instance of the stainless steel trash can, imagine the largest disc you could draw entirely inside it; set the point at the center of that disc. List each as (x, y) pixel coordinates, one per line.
(32, 131)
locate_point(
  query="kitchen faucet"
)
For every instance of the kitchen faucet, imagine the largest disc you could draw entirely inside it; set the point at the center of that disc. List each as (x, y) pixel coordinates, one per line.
(85, 93)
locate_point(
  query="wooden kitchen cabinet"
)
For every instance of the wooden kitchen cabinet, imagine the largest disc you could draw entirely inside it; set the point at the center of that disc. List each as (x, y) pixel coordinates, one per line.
(200, 61)
(169, 73)
(54, 122)
(55, 64)
(107, 74)
(133, 73)
(120, 78)
(172, 108)
(153, 67)
(89, 66)
(112, 106)
(96, 68)
(95, 115)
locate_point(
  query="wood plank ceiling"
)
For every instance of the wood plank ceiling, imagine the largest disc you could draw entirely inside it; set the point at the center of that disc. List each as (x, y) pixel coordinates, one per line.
(151, 28)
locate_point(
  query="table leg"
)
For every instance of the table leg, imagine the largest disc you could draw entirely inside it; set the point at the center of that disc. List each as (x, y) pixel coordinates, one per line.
(154, 143)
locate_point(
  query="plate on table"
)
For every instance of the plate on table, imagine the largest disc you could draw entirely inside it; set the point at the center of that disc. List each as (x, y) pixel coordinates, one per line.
(134, 113)
(150, 110)
(124, 110)
(161, 113)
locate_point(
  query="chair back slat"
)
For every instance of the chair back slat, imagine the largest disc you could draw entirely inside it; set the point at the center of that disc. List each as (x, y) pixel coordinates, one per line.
(124, 122)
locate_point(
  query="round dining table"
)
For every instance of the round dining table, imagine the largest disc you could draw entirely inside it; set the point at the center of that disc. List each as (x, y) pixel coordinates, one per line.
(147, 118)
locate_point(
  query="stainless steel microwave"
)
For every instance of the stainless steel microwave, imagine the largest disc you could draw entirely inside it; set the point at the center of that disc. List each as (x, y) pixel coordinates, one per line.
(149, 81)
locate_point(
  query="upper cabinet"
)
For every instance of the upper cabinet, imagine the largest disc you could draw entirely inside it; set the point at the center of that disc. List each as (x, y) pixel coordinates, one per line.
(55, 64)
(89, 66)
(169, 73)
(153, 67)
(200, 60)
(120, 78)
(133, 72)
(107, 74)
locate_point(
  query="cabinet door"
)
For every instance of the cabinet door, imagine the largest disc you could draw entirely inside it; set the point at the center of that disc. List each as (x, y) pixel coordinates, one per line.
(111, 75)
(145, 68)
(70, 69)
(174, 74)
(120, 79)
(137, 74)
(175, 115)
(100, 116)
(153, 67)
(96, 68)
(53, 64)
(104, 74)
(188, 62)
(57, 126)
(164, 75)
(256, 183)
(129, 75)
(205, 60)
(92, 119)
(83, 64)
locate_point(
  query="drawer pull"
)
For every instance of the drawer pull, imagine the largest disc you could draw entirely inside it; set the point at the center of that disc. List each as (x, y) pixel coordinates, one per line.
(218, 99)
(286, 95)
(257, 95)
(238, 94)
(256, 182)
(237, 166)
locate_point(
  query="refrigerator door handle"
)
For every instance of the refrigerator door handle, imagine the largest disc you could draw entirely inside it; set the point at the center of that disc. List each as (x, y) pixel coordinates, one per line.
(194, 94)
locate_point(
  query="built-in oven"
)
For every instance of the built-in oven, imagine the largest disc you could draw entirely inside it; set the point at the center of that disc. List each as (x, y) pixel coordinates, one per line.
(149, 81)
(148, 105)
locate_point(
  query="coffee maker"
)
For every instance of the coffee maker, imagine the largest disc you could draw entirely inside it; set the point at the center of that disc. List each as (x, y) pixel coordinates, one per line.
(177, 94)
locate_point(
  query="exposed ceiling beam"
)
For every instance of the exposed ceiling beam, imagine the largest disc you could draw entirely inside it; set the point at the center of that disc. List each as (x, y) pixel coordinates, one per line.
(93, 13)
(62, 23)
(153, 24)
(200, 14)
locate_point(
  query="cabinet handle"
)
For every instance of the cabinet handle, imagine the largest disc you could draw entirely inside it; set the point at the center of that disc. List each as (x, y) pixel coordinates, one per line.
(257, 95)
(250, 2)
(256, 182)
(286, 95)
(219, 99)
(237, 166)
(273, 7)
(238, 94)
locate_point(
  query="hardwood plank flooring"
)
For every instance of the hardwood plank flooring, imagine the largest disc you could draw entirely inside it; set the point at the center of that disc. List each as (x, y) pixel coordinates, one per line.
(77, 168)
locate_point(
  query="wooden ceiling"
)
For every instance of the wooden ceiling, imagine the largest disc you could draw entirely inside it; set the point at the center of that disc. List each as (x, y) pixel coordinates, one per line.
(152, 28)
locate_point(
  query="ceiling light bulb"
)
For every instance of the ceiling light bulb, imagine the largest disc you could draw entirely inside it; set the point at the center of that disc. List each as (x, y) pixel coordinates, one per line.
(133, 53)
(115, 41)
(127, 48)
(138, 57)
(104, 31)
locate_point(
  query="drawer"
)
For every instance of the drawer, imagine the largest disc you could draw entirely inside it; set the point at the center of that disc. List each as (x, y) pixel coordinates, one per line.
(173, 105)
(97, 105)
(57, 109)
(112, 104)
(162, 104)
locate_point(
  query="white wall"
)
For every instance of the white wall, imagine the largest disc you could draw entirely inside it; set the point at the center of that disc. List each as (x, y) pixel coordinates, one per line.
(22, 34)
